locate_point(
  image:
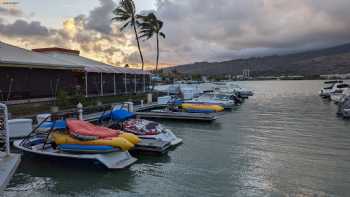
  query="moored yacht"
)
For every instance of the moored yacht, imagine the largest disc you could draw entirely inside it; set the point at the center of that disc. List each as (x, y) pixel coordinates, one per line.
(326, 91)
(217, 99)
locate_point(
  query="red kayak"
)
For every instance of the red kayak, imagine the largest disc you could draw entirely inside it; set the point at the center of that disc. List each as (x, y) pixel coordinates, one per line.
(87, 131)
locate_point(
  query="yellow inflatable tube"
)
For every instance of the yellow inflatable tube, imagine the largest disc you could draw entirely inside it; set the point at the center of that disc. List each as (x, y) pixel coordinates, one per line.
(119, 142)
(216, 108)
(134, 139)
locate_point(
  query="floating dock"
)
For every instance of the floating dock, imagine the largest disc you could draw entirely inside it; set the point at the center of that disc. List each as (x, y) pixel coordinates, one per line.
(177, 116)
(8, 166)
(144, 112)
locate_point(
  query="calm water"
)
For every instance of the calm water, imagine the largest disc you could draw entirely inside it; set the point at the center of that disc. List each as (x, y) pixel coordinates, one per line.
(285, 141)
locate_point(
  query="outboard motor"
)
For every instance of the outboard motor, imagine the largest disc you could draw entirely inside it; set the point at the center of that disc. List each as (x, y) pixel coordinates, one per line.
(238, 100)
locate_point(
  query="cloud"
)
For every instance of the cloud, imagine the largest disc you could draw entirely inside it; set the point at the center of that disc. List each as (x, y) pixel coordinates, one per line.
(94, 35)
(206, 30)
(10, 12)
(100, 18)
(197, 30)
(24, 28)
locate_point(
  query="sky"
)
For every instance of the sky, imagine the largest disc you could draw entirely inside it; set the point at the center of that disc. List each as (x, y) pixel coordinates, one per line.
(196, 30)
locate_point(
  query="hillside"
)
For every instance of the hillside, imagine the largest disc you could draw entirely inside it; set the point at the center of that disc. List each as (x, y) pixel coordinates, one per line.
(317, 62)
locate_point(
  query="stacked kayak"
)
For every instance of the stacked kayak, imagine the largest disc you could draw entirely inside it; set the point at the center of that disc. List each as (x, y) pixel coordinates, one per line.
(85, 137)
(79, 140)
(201, 108)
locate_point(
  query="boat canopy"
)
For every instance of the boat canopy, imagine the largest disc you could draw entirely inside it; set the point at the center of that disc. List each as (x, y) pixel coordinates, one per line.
(119, 115)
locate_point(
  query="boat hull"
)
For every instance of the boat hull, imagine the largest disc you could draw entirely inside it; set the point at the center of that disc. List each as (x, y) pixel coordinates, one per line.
(112, 161)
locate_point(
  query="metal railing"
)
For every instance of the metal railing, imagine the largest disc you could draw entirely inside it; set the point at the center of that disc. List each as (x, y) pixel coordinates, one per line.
(4, 131)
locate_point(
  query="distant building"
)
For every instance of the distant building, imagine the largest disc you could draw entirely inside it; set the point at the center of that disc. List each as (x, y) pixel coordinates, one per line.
(40, 73)
(336, 76)
(246, 74)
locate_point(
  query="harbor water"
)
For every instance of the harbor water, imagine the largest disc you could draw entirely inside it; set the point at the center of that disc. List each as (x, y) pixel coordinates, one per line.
(283, 141)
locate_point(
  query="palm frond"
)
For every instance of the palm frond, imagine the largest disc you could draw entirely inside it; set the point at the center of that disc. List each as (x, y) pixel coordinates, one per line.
(162, 34)
(124, 26)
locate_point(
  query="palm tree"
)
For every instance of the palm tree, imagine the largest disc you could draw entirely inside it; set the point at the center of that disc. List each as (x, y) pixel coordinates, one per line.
(151, 25)
(126, 12)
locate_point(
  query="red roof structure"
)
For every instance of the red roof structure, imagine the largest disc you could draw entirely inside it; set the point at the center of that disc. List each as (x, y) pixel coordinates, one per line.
(56, 49)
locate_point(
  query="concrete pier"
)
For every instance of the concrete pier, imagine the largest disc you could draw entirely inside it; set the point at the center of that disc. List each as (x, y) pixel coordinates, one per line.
(8, 166)
(8, 161)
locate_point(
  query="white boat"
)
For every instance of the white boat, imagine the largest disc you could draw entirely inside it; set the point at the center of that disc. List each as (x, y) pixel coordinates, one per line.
(218, 99)
(39, 143)
(112, 160)
(154, 136)
(325, 92)
(338, 91)
(231, 88)
(242, 92)
(338, 97)
(146, 129)
(167, 136)
(344, 107)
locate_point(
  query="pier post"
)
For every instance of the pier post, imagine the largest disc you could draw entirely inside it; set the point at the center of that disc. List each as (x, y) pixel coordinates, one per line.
(80, 111)
(125, 86)
(86, 85)
(6, 128)
(149, 98)
(101, 84)
(115, 85)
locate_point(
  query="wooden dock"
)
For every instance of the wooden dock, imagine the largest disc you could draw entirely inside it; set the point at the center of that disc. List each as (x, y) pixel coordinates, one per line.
(8, 166)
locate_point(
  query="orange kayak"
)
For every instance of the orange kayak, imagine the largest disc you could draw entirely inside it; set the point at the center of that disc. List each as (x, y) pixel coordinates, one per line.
(83, 129)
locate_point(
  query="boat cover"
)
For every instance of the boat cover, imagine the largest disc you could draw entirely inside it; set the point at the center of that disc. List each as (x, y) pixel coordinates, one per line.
(58, 124)
(86, 131)
(118, 115)
(142, 127)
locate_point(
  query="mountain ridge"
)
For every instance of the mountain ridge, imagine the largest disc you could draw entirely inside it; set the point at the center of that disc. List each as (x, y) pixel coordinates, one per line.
(331, 60)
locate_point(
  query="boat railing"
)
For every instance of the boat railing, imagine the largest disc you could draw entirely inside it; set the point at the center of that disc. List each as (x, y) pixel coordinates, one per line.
(4, 130)
(46, 133)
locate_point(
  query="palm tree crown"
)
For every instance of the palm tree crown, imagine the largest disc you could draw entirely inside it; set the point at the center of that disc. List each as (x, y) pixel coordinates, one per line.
(126, 12)
(151, 25)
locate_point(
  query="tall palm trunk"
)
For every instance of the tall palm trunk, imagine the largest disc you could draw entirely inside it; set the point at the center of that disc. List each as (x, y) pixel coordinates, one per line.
(138, 45)
(157, 52)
